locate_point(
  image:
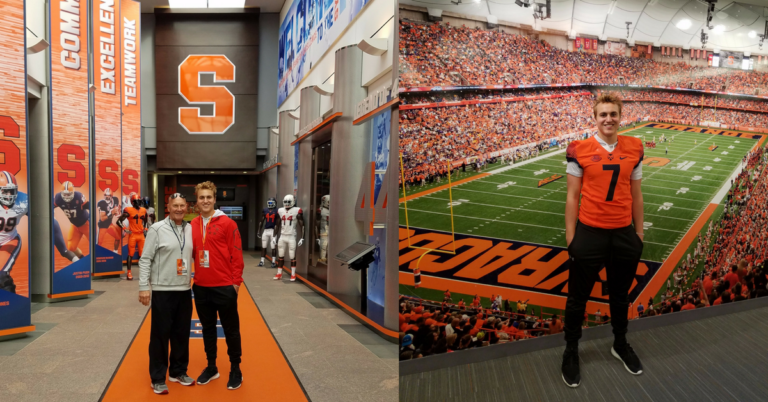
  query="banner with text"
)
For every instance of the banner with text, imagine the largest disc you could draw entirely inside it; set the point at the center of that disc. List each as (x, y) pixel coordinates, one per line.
(307, 31)
(130, 83)
(107, 129)
(14, 227)
(70, 149)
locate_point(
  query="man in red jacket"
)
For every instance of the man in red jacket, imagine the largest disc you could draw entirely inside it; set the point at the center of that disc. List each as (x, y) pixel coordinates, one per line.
(218, 254)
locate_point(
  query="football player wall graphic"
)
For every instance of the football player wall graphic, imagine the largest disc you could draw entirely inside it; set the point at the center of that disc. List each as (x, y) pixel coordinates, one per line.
(321, 229)
(108, 209)
(137, 224)
(14, 206)
(61, 245)
(266, 230)
(289, 225)
(77, 209)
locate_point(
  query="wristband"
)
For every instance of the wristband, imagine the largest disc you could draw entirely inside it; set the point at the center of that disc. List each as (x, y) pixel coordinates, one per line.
(641, 234)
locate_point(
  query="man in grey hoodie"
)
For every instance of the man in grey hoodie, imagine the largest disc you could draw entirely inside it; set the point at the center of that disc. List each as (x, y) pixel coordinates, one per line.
(165, 267)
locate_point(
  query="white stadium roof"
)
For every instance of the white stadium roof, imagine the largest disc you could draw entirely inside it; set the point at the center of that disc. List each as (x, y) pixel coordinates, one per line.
(737, 24)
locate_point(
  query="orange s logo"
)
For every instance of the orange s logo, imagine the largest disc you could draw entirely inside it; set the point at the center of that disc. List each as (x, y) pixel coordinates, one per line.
(219, 96)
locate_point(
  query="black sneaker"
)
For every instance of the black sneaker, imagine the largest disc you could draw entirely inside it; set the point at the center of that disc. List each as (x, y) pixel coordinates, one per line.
(235, 380)
(571, 373)
(210, 373)
(629, 358)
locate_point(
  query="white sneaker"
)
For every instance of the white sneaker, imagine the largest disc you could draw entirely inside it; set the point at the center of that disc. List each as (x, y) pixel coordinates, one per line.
(278, 277)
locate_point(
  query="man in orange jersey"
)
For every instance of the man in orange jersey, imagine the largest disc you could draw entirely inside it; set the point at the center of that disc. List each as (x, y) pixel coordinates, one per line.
(137, 221)
(605, 171)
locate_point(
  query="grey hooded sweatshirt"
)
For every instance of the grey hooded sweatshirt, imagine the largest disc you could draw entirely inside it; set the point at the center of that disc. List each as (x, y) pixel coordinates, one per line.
(162, 247)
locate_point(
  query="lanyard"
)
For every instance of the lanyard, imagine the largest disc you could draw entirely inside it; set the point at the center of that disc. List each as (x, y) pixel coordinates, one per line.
(184, 238)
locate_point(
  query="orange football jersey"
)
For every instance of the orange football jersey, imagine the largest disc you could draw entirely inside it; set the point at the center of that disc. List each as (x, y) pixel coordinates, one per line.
(136, 219)
(606, 197)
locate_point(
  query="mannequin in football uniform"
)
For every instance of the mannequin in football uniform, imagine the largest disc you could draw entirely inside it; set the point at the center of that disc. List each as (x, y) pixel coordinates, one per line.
(137, 220)
(78, 211)
(267, 230)
(13, 206)
(108, 208)
(151, 219)
(289, 225)
(321, 229)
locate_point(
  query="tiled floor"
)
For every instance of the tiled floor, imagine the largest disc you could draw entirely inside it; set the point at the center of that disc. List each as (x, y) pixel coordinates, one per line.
(78, 345)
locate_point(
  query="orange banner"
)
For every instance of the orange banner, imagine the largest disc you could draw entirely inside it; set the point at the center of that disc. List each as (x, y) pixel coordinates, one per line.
(107, 143)
(130, 22)
(70, 125)
(14, 233)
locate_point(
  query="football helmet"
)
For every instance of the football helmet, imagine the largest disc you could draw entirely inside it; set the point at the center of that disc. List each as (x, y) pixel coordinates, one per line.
(68, 191)
(136, 201)
(9, 189)
(325, 201)
(271, 202)
(108, 193)
(289, 201)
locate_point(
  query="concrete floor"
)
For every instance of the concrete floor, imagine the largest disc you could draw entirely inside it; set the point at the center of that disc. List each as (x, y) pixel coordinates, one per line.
(78, 344)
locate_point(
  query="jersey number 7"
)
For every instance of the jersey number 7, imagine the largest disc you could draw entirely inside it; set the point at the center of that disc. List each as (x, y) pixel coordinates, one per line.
(614, 179)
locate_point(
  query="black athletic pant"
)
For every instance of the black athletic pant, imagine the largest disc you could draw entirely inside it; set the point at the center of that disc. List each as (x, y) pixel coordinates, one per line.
(618, 250)
(221, 300)
(171, 321)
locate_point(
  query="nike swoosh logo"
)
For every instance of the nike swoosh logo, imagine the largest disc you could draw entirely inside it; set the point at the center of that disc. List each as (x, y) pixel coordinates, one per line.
(623, 157)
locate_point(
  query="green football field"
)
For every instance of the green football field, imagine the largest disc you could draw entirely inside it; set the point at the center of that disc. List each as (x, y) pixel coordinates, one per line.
(509, 205)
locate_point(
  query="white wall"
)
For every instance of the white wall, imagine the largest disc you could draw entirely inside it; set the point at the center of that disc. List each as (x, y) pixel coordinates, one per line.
(376, 14)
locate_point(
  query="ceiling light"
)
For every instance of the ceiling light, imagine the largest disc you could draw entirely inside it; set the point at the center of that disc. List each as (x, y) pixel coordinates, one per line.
(719, 29)
(752, 34)
(226, 3)
(684, 24)
(188, 3)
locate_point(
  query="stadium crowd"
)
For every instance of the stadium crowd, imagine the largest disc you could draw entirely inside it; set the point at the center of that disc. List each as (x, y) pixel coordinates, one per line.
(694, 99)
(431, 137)
(439, 54)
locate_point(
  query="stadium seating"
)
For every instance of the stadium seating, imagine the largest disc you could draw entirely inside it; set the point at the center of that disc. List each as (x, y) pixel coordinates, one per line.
(439, 54)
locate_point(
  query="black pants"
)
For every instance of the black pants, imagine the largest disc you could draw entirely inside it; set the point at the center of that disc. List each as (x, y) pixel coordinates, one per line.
(618, 250)
(221, 300)
(171, 321)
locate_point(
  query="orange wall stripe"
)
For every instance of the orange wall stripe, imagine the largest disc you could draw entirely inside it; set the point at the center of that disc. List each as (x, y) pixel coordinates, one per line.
(60, 295)
(330, 119)
(19, 330)
(368, 321)
(107, 273)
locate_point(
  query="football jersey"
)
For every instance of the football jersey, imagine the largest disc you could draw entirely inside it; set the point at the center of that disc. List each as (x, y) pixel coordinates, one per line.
(270, 215)
(136, 219)
(74, 210)
(150, 216)
(325, 215)
(289, 219)
(107, 205)
(606, 200)
(11, 216)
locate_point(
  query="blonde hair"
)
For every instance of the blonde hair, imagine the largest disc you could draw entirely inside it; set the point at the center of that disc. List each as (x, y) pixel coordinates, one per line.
(607, 97)
(206, 185)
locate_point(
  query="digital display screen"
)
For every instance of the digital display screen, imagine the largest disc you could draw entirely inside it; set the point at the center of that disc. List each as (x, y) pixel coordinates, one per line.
(225, 194)
(234, 213)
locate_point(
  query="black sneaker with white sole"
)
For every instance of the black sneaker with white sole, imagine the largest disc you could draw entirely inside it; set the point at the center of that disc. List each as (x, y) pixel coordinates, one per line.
(571, 372)
(210, 373)
(235, 380)
(627, 356)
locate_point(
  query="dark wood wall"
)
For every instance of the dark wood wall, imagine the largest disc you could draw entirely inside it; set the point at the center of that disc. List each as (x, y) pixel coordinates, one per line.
(236, 36)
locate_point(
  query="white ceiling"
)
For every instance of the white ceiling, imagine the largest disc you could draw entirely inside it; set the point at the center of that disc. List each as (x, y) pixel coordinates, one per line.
(653, 21)
(266, 6)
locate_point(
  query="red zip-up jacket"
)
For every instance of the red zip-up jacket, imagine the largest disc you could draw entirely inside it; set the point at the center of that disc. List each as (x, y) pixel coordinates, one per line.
(225, 251)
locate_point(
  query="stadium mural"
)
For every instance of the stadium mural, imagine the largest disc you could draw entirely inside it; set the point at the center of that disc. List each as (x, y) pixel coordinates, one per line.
(107, 134)
(70, 148)
(307, 31)
(497, 131)
(14, 213)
